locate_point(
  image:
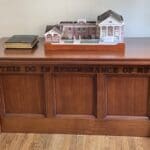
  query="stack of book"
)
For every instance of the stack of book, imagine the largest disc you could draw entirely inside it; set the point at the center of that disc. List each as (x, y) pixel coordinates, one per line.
(21, 42)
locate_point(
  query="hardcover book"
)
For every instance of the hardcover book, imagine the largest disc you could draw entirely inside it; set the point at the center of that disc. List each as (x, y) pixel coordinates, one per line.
(21, 42)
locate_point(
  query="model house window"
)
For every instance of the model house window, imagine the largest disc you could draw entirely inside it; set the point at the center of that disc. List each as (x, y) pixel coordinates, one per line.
(49, 36)
(110, 31)
(93, 29)
(70, 29)
(103, 31)
(117, 31)
(55, 35)
(83, 29)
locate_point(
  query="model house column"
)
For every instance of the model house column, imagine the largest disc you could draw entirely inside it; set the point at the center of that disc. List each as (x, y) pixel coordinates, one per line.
(120, 34)
(113, 31)
(101, 32)
(106, 31)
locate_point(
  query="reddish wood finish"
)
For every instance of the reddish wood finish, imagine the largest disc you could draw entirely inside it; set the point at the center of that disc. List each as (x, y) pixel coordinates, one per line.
(19, 96)
(58, 48)
(103, 93)
(72, 91)
(136, 52)
(101, 97)
(126, 97)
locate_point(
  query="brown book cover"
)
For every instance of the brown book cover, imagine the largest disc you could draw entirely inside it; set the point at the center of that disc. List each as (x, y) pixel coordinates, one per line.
(21, 41)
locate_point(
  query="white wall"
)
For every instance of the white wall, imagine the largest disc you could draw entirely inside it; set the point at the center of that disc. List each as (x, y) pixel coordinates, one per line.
(31, 16)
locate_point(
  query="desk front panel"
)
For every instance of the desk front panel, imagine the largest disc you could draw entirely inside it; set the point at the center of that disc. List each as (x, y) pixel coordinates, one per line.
(84, 99)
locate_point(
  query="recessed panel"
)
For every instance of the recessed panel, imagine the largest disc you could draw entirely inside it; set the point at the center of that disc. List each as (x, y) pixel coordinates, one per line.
(75, 94)
(127, 96)
(23, 93)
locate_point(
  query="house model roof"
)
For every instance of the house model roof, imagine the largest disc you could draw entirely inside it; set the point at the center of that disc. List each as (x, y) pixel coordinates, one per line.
(77, 23)
(110, 13)
(48, 28)
(57, 29)
(53, 27)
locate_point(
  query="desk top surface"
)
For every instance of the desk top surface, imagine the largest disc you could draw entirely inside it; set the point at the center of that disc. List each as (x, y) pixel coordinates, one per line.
(136, 49)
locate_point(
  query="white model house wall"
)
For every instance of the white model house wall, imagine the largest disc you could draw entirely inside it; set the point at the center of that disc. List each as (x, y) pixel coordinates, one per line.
(112, 28)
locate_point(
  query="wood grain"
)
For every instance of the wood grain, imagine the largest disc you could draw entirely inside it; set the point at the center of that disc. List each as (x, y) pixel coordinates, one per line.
(73, 48)
(125, 95)
(75, 94)
(101, 97)
(136, 48)
(18, 93)
(71, 142)
(103, 93)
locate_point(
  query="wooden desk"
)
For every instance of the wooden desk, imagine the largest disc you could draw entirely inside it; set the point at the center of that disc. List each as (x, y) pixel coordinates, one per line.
(105, 93)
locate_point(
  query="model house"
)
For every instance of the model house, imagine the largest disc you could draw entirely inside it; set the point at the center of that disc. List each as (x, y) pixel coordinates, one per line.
(108, 28)
(79, 30)
(53, 34)
(111, 26)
